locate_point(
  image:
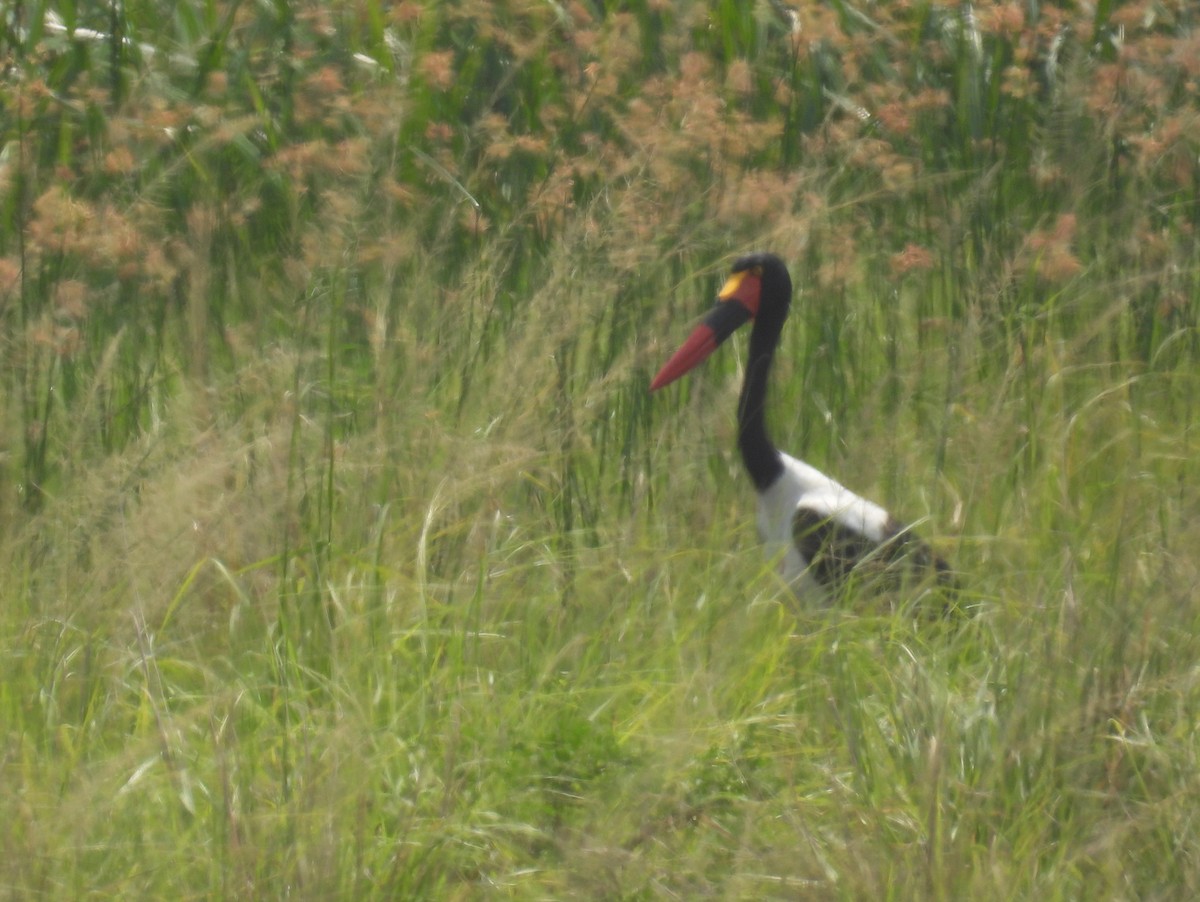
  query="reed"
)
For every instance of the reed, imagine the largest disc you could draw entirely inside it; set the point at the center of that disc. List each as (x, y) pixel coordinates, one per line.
(343, 552)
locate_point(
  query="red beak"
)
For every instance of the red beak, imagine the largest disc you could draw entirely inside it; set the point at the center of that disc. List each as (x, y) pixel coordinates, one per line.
(738, 304)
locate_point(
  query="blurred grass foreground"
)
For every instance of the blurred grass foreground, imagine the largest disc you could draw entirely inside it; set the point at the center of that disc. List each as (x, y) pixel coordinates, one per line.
(344, 555)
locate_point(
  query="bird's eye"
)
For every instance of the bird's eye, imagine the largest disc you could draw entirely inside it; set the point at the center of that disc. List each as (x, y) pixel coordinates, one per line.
(756, 271)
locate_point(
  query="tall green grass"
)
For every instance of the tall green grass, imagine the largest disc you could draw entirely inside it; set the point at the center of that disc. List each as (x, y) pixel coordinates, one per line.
(344, 554)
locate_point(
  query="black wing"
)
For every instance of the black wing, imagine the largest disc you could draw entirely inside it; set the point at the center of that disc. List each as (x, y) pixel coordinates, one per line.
(833, 551)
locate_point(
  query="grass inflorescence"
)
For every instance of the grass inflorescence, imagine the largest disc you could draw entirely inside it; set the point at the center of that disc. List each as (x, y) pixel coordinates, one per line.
(344, 553)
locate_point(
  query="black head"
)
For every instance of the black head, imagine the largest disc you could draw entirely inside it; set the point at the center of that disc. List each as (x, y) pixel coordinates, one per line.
(759, 289)
(776, 292)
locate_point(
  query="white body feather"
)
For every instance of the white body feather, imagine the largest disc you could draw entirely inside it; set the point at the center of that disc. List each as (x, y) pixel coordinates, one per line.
(803, 486)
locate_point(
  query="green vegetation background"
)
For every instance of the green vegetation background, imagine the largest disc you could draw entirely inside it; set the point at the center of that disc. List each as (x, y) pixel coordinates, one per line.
(344, 555)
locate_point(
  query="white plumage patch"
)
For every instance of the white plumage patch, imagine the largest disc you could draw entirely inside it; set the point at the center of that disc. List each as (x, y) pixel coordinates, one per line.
(803, 486)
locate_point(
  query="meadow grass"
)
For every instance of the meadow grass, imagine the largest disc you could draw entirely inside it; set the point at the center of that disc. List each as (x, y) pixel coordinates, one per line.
(344, 554)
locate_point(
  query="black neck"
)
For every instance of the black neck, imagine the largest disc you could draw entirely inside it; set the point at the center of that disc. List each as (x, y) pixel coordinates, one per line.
(758, 453)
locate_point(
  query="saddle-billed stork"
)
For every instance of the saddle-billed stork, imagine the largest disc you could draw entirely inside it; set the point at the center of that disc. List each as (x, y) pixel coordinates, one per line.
(824, 534)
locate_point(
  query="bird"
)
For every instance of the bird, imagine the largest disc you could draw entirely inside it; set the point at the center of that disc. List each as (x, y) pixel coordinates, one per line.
(825, 536)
